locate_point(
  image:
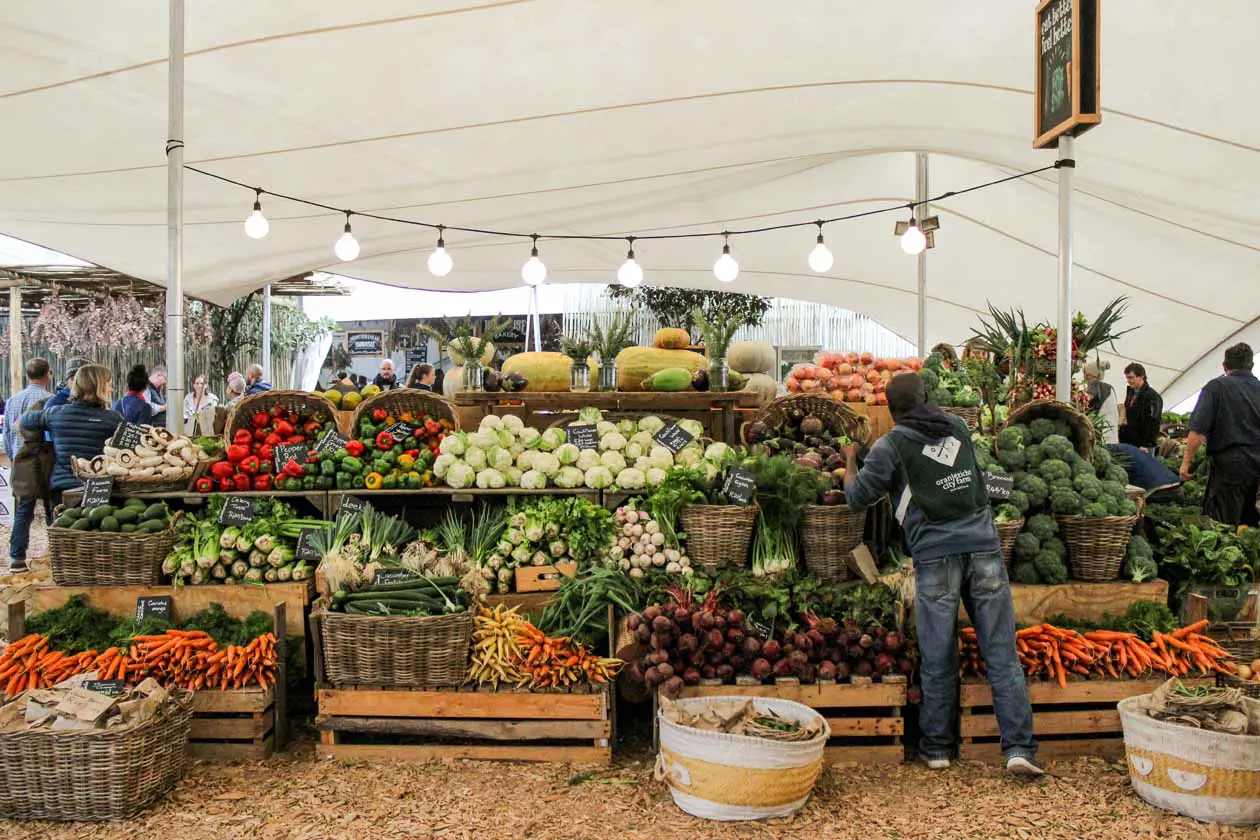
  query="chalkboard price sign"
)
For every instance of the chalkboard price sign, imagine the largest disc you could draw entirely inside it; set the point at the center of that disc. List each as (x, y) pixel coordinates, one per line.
(740, 487)
(331, 441)
(285, 452)
(97, 490)
(999, 485)
(393, 576)
(368, 343)
(1066, 69)
(402, 431)
(111, 688)
(351, 505)
(127, 436)
(583, 436)
(237, 510)
(673, 437)
(304, 550)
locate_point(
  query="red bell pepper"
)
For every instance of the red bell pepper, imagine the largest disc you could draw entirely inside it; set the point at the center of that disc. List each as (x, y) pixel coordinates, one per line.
(311, 428)
(379, 415)
(221, 469)
(414, 453)
(354, 448)
(432, 426)
(260, 435)
(297, 439)
(243, 437)
(205, 484)
(261, 418)
(237, 453)
(250, 465)
(273, 439)
(264, 467)
(240, 482)
(278, 410)
(284, 429)
(264, 452)
(262, 483)
(226, 485)
(292, 468)
(384, 441)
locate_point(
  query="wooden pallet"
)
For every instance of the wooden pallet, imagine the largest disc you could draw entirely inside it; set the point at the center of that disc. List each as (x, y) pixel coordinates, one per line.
(1079, 720)
(236, 724)
(364, 722)
(866, 719)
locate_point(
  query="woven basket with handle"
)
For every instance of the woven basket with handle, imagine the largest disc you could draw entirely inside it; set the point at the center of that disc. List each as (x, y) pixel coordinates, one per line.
(1082, 428)
(828, 534)
(403, 400)
(970, 416)
(153, 483)
(107, 558)
(302, 402)
(837, 418)
(1007, 533)
(1244, 653)
(100, 774)
(1096, 544)
(422, 652)
(718, 535)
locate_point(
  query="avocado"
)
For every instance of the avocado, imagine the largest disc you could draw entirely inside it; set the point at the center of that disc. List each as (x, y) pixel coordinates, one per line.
(96, 514)
(151, 526)
(109, 523)
(83, 524)
(65, 521)
(127, 527)
(73, 512)
(127, 514)
(138, 504)
(154, 511)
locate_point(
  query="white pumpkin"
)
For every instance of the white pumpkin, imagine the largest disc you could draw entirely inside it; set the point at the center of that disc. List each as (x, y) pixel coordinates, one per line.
(763, 386)
(750, 357)
(453, 383)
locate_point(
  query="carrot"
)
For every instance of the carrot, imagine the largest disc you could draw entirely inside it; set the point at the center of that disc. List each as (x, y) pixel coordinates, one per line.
(1188, 629)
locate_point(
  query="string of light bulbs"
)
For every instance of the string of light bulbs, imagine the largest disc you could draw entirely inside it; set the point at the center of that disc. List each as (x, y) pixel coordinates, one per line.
(915, 234)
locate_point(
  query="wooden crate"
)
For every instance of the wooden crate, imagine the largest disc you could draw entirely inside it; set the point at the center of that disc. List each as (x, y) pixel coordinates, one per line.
(865, 719)
(233, 724)
(366, 723)
(1079, 720)
(543, 578)
(1085, 600)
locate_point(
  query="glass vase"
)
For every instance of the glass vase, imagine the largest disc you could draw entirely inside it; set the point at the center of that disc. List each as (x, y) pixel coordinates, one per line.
(719, 375)
(608, 376)
(474, 378)
(579, 377)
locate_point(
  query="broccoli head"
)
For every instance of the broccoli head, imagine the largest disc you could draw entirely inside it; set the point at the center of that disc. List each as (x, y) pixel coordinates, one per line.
(1034, 455)
(1058, 446)
(1043, 526)
(1026, 546)
(1053, 469)
(1082, 467)
(1050, 567)
(1012, 437)
(1065, 502)
(1088, 485)
(984, 460)
(931, 379)
(1011, 459)
(1102, 460)
(1112, 503)
(1025, 573)
(1062, 484)
(1117, 473)
(1055, 545)
(1112, 488)
(941, 397)
(1035, 486)
(1128, 507)
(934, 361)
(1040, 429)
(1019, 500)
(1139, 563)
(1006, 512)
(1094, 509)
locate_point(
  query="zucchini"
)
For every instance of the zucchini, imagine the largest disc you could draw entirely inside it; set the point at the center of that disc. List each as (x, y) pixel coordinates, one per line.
(365, 597)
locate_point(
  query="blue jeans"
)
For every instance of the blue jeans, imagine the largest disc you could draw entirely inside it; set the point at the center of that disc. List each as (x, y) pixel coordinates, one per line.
(23, 515)
(939, 585)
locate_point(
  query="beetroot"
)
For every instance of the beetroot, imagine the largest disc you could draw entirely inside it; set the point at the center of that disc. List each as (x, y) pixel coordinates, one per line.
(751, 646)
(672, 687)
(660, 641)
(725, 672)
(688, 643)
(702, 621)
(691, 676)
(863, 669)
(735, 618)
(652, 677)
(665, 670)
(799, 659)
(771, 649)
(708, 672)
(714, 657)
(827, 671)
(884, 664)
(905, 666)
(855, 652)
(816, 636)
(636, 673)
(633, 621)
(734, 634)
(836, 655)
(736, 663)
(719, 621)
(914, 695)
(892, 641)
(842, 671)
(643, 633)
(661, 624)
(811, 425)
(783, 668)
(761, 669)
(865, 641)
(715, 639)
(651, 613)
(728, 650)
(697, 659)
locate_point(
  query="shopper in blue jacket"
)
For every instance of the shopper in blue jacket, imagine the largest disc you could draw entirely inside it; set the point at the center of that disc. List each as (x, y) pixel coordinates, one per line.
(79, 428)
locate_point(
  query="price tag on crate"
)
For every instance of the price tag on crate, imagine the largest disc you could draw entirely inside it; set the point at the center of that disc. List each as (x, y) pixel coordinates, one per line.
(673, 437)
(583, 435)
(393, 576)
(237, 510)
(127, 436)
(285, 452)
(156, 606)
(351, 505)
(740, 487)
(402, 431)
(999, 485)
(97, 490)
(110, 688)
(304, 550)
(331, 441)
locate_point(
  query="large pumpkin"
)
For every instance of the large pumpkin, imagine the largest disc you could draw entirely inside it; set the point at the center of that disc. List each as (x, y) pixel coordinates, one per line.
(671, 338)
(635, 364)
(487, 355)
(750, 357)
(543, 371)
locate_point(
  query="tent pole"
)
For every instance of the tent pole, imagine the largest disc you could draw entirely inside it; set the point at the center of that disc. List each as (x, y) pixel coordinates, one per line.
(1063, 349)
(175, 222)
(266, 332)
(534, 314)
(921, 211)
(16, 363)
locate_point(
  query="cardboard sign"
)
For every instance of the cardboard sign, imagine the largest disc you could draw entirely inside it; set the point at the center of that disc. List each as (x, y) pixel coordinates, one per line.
(999, 485)
(85, 704)
(740, 487)
(331, 441)
(351, 504)
(157, 606)
(402, 432)
(110, 688)
(583, 435)
(127, 436)
(96, 491)
(673, 437)
(282, 453)
(237, 510)
(393, 576)
(304, 550)
(862, 563)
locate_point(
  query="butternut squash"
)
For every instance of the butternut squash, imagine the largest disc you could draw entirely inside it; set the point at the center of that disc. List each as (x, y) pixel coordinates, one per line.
(671, 338)
(543, 371)
(635, 364)
(750, 357)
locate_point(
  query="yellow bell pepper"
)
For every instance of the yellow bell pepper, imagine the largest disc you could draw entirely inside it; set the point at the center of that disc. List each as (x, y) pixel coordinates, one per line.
(373, 481)
(406, 462)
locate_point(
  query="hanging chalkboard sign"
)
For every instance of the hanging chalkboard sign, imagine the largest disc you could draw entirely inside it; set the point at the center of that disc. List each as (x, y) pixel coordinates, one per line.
(110, 688)
(155, 606)
(285, 452)
(351, 505)
(740, 487)
(304, 550)
(96, 491)
(331, 441)
(583, 435)
(237, 510)
(366, 343)
(402, 431)
(999, 485)
(127, 436)
(1066, 68)
(673, 437)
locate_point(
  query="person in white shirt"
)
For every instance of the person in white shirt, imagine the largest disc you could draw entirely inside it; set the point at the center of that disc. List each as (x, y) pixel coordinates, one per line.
(199, 405)
(1102, 399)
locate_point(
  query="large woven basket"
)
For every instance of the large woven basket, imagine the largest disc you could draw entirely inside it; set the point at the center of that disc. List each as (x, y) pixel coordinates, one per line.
(395, 402)
(101, 774)
(970, 416)
(828, 534)
(1244, 653)
(1007, 533)
(152, 484)
(428, 652)
(837, 417)
(1082, 428)
(107, 558)
(303, 402)
(718, 535)
(1096, 544)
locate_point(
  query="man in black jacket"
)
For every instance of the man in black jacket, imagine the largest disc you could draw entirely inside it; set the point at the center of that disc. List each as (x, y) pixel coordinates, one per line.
(1227, 419)
(1143, 408)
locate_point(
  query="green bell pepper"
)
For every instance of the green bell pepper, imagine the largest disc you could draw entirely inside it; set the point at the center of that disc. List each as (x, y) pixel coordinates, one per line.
(389, 482)
(344, 481)
(359, 482)
(352, 464)
(327, 468)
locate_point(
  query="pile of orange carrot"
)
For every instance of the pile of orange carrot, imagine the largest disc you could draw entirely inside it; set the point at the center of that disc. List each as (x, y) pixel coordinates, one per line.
(559, 662)
(182, 658)
(1055, 653)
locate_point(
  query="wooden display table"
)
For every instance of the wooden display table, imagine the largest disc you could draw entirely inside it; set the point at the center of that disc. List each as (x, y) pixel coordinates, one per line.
(717, 411)
(1079, 599)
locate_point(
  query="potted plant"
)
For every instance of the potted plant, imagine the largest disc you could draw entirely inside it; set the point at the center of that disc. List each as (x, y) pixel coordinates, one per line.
(608, 341)
(579, 372)
(717, 331)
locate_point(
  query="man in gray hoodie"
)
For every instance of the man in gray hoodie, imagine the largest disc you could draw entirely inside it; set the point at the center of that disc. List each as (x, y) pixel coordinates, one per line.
(927, 466)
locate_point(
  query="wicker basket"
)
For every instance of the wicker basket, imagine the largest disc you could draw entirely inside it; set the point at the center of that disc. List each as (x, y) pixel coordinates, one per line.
(151, 484)
(1243, 652)
(828, 534)
(1082, 428)
(93, 775)
(1096, 544)
(419, 403)
(970, 416)
(107, 558)
(239, 416)
(718, 535)
(428, 652)
(1007, 532)
(837, 417)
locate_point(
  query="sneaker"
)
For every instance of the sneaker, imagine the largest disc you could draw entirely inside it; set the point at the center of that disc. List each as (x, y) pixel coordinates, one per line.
(17, 567)
(1021, 766)
(938, 763)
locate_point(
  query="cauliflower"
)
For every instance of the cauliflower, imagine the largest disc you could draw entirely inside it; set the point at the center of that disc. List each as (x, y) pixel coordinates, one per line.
(516, 449)
(443, 463)
(525, 460)
(569, 477)
(483, 440)
(533, 480)
(546, 463)
(491, 423)
(590, 414)
(627, 427)
(614, 461)
(513, 423)
(491, 479)
(693, 427)
(599, 477)
(710, 471)
(506, 438)
(498, 458)
(587, 458)
(614, 441)
(513, 477)
(529, 437)
(644, 440)
(644, 464)
(631, 479)
(460, 475)
(654, 476)
(475, 458)
(567, 453)
(605, 428)
(661, 457)
(687, 458)
(453, 444)
(717, 452)
(634, 451)
(552, 438)
(651, 424)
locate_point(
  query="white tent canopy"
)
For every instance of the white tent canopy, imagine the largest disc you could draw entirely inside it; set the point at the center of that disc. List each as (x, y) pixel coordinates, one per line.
(602, 116)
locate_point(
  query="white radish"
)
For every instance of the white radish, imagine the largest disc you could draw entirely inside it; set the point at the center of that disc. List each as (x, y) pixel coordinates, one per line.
(636, 573)
(686, 570)
(653, 527)
(658, 539)
(636, 530)
(651, 550)
(625, 542)
(658, 560)
(644, 516)
(672, 555)
(624, 565)
(616, 552)
(628, 530)
(673, 568)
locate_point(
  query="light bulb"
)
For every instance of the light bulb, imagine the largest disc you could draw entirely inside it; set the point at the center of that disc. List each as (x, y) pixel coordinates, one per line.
(533, 272)
(820, 259)
(256, 226)
(630, 274)
(913, 241)
(440, 262)
(726, 269)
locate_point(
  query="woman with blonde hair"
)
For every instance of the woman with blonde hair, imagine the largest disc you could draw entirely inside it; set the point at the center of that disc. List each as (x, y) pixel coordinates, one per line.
(80, 427)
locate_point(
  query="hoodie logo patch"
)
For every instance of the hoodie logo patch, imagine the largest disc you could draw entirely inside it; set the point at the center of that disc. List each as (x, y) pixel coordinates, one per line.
(945, 452)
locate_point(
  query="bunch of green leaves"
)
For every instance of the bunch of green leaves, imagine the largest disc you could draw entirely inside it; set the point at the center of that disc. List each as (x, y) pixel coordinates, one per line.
(586, 527)
(226, 630)
(610, 339)
(1197, 550)
(74, 627)
(681, 486)
(784, 488)
(716, 331)
(579, 608)
(577, 349)
(675, 307)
